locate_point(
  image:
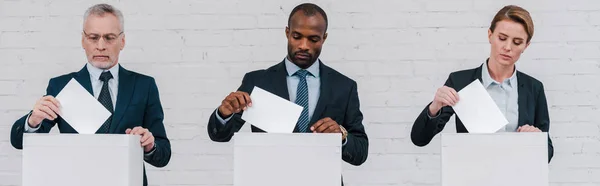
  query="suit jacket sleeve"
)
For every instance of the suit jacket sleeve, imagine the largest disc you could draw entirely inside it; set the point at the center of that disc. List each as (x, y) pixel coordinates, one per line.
(542, 118)
(356, 149)
(18, 128)
(153, 121)
(223, 133)
(425, 128)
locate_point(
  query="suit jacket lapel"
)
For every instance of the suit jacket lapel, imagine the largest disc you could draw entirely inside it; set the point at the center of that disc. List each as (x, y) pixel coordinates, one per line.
(476, 75)
(524, 95)
(126, 86)
(83, 77)
(325, 94)
(279, 81)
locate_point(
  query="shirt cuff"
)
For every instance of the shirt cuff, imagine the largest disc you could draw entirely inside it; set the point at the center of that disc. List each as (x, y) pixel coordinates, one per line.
(27, 128)
(436, 115)
(223, 121)
(149, 154)
(345, 141)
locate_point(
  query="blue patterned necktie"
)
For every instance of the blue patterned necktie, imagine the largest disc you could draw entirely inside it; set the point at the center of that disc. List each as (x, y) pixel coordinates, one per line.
(105, 100)
(302, 100)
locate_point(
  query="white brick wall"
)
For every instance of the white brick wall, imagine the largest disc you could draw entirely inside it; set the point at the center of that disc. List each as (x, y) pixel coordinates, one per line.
(399, 51)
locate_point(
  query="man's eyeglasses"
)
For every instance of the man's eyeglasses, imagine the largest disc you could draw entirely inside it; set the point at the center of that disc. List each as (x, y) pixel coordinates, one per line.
(108, 38)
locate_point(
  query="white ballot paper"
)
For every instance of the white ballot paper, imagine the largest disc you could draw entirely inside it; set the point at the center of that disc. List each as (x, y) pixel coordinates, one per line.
(271, 113)
(478, 111)
(80, 109)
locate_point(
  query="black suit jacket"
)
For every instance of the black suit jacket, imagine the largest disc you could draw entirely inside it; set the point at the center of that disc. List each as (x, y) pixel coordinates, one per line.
(533, 109)
(138, 104)
(338, 100)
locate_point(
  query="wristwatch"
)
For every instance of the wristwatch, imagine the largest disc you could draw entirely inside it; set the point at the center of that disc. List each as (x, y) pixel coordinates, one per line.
(344, 132)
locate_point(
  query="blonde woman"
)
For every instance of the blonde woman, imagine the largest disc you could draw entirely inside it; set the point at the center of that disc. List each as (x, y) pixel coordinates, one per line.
(520, 97)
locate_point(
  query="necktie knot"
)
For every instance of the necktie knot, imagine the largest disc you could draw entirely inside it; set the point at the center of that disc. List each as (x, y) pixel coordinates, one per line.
(302, 73)
(105, 76)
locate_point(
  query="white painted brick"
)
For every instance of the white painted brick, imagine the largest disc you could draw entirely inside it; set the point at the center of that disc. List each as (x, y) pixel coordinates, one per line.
(569, 175)
(269, 54)
(453, 35)
(573, 114)
(9, 87)
(48, 23)
(390, 68)
(574, 68)
(582, 5)
(207, 147)
(415, 84)
(531, 5)
(585, 51)
(13, 24)
(192, 162)
(262, 8)
(273, 21)
(211, 21)
(136, 22)
(585, 130)
(367, 20)
(151, 54)
(144, 39)
(44, 39)
(259, 37)
(573, 184)
(393, 130)
(570, 18)
(184, 102)
(388, 162)
(229, 54)
(16, 8)
(448, 19)
(591, 147)
(399, 52)
(369, 52)
(73, 8)
(572, 98)
(17, 102)
(192, 177)
(443, 68)
(452, 6)
(475, 52)
(394, 99)
(212, 7)
(75, 55)
(582, 34)
(208, 39)
(12, 56)
(379, 6)
(382, 115)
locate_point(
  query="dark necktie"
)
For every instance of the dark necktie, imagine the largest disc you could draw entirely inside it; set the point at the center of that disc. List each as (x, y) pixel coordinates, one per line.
(105, 100)
(302, 100)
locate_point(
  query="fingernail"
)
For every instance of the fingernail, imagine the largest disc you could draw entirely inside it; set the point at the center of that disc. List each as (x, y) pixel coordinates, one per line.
(312, 128)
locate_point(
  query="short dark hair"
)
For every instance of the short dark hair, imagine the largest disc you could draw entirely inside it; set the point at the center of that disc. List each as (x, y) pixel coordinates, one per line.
(309, 9)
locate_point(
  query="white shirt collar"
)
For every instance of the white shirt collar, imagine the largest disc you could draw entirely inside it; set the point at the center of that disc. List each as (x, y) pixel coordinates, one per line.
(487, 79)
(291, 68)
(95, 72)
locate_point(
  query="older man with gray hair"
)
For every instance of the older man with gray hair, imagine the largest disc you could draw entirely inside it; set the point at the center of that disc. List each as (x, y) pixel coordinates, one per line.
(132, 98)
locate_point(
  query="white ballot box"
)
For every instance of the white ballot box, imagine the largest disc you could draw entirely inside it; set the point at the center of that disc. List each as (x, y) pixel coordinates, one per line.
(496, 159)
(82, 159)
(290, 159)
